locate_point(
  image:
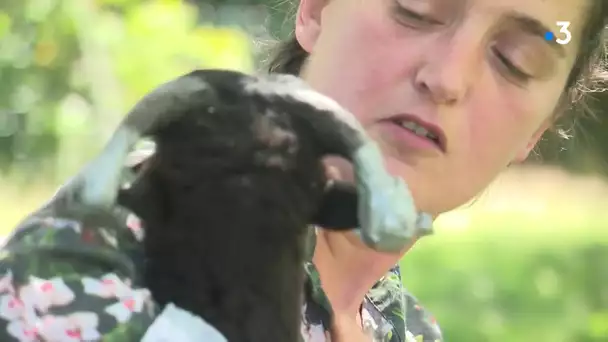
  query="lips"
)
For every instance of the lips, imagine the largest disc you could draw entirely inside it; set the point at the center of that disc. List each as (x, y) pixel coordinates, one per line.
(423, 129)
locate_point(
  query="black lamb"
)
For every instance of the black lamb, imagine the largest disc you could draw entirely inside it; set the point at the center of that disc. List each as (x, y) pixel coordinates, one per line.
(234, 183)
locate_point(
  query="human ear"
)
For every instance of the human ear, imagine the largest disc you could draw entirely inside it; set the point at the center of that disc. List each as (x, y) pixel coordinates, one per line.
(523, 154)
(308, 22)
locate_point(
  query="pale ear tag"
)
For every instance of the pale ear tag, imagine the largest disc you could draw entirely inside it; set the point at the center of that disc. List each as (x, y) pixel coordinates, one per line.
(179, 325)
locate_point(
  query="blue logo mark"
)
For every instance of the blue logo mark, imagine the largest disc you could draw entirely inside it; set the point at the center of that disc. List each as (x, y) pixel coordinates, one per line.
(549, 36)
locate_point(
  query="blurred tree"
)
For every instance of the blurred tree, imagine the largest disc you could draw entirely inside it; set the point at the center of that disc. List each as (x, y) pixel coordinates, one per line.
(38, 48)
(75, 67)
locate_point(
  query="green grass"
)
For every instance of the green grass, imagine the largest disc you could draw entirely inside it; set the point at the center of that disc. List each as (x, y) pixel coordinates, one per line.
(516, 275)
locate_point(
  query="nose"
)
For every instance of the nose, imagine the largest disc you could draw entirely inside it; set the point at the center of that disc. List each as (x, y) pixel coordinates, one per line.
(448, 71)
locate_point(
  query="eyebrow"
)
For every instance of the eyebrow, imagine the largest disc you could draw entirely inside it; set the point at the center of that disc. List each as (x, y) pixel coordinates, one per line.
(537, 28)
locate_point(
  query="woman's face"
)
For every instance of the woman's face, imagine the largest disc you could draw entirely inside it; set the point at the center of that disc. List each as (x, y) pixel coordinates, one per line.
(478, 74)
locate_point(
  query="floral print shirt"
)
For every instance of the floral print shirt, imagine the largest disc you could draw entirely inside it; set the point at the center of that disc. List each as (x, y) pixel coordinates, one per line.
(389, 313)
(73, 274)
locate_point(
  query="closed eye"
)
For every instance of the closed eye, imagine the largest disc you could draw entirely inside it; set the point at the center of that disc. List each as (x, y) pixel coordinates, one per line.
(409, 17)
(511, 68)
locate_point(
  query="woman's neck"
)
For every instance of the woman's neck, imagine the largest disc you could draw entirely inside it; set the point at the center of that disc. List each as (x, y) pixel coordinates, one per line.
(348, 269)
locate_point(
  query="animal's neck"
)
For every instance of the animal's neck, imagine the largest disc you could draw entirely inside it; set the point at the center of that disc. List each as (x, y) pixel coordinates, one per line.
(249, 290)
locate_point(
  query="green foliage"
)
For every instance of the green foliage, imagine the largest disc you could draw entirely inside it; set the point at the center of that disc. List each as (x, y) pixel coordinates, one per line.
(515, 279)
(75, 67)
(38, 43)
(158, 40)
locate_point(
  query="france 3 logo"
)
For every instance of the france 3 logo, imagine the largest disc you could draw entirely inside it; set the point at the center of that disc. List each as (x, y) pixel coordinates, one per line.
(564, 37)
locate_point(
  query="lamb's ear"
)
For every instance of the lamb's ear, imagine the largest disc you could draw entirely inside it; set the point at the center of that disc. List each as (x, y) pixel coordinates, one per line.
(338, 209)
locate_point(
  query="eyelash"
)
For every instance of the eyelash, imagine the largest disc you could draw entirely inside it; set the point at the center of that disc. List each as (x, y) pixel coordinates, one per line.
(516, 72)
(419, 19)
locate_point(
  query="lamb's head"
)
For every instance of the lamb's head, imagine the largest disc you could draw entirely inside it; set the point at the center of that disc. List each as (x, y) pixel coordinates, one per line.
(387, 216)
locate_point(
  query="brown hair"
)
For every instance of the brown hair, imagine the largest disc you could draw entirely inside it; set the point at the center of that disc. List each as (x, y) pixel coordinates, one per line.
(588, 75)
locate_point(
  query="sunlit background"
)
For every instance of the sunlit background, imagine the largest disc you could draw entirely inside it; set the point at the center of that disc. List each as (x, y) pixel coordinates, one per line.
(527, 262)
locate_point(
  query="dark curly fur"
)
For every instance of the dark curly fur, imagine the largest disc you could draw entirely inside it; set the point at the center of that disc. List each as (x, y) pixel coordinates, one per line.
(226, 200)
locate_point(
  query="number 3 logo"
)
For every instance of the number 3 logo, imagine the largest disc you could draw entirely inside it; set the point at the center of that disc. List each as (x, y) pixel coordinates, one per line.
(564, 30)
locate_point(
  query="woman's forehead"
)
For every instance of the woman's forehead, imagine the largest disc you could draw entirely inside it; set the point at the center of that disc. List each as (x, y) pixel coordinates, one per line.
(560, 22)
(547, 17)
(544, 10)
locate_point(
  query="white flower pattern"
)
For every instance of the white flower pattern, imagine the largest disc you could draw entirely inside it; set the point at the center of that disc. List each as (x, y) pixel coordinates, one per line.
(108, 286)
(111, 286)
(22, 331)
(127, 305)
(25, 309)
(11, 307)
(20, 308)
(79, 326)
(42, 293)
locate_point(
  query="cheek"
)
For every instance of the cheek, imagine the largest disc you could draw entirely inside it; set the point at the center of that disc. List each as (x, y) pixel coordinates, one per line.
(501, 124)
(494, 127)
(492, 134)
(355, 63)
